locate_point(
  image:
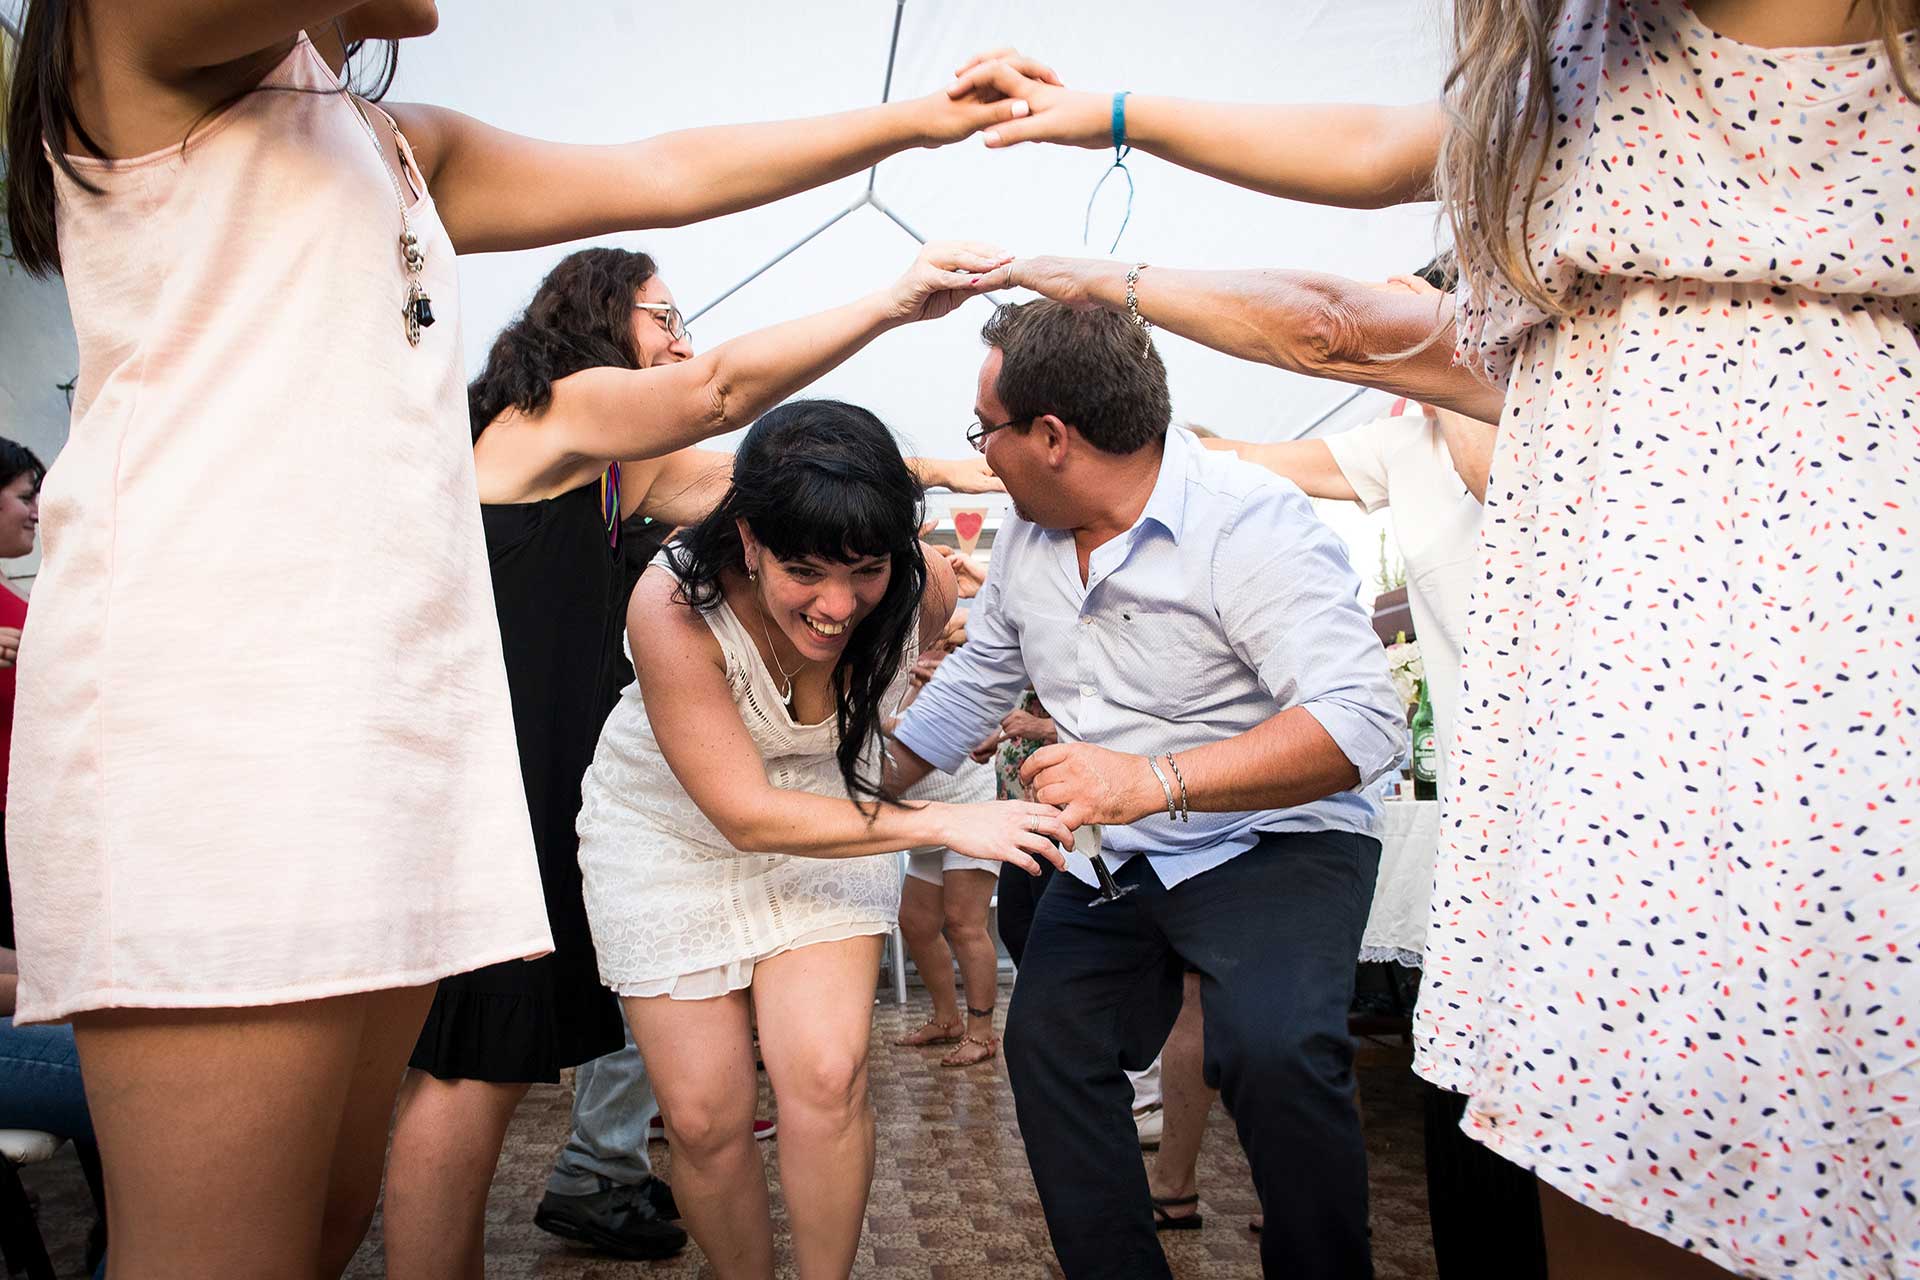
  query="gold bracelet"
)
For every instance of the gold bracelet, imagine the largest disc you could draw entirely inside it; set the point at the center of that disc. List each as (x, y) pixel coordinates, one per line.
(1140, 322)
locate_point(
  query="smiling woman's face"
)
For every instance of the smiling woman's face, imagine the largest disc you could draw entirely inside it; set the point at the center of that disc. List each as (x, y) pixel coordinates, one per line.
(19, 515)
(817, 603)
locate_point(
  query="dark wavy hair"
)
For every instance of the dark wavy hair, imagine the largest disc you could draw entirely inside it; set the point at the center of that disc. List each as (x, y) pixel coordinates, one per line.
(40, 113)
(581, 317)
(17, 460)
(824, 479)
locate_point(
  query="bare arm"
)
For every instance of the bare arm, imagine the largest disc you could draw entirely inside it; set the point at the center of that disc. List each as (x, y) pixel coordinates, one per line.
(1284, 761)
(1350, 155)
(606, 414)
(1305, 322)
(937, 602)
(1470, 445)
(1308, 463)
(957, 475)
(498, 190)
(684, 685)
(681, 488)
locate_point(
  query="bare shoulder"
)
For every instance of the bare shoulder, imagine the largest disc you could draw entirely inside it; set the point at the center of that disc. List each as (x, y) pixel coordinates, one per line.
(939, 598)
(664, 630)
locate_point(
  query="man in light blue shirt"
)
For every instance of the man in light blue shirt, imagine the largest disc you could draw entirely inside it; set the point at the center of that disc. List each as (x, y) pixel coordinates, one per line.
(1221, 700)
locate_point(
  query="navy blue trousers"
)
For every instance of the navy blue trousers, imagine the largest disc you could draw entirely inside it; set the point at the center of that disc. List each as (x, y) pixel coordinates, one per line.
(1274, 934)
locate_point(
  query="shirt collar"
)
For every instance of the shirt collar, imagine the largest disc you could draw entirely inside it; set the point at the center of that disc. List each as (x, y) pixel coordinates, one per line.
(1167, 504)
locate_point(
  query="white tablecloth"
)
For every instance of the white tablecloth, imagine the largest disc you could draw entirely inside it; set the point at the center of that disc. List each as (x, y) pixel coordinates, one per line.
(1397, 926)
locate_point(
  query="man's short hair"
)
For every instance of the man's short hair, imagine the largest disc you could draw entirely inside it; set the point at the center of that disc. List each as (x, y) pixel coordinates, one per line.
(1086, 368)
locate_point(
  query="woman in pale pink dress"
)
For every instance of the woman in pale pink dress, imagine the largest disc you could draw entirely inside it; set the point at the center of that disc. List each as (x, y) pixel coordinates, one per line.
(265, 792)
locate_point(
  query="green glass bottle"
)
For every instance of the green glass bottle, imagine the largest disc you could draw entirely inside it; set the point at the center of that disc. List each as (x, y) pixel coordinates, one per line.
(1426, 750)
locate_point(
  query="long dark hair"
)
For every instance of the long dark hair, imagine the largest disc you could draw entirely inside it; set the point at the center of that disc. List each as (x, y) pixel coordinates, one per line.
(824, 479)
(581, 317)
(40, 113)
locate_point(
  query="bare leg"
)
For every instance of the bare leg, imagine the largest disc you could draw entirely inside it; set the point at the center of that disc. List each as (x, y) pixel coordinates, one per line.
(446, 1147)
(1185, 1103)
(219, 1127)
(922, 912)
(1583, 1244)
(816, 1017)
(392, 1027)
(699, 1055)
(967, 895)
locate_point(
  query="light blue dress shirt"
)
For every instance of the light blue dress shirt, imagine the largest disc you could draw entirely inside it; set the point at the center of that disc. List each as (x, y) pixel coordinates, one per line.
(1225, 604)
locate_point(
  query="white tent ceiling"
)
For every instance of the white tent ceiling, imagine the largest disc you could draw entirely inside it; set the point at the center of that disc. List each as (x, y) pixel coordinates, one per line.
(616, 70)
(606, 72)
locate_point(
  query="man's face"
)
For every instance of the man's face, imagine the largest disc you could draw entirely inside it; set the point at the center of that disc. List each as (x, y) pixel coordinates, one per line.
(1014, 453)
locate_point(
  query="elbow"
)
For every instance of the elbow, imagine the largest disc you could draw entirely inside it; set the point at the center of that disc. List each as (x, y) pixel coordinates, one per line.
(1315, 330)
(718, 401)
(744, 834)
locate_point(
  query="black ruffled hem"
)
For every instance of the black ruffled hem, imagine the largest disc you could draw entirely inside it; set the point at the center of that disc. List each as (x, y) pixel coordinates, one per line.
(514, 1037)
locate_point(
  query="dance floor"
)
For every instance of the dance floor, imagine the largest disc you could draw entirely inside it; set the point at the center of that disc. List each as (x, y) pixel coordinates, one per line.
(952, 1197)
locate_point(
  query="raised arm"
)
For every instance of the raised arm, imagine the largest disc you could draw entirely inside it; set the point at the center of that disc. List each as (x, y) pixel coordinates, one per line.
(683, 682)
(688, 484)
(1308, 463)
(499, 190)
(1350, 155)
(607, 413)
(1303, 321)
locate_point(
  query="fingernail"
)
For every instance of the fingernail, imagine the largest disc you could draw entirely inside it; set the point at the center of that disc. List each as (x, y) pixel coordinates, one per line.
(1019, 108)
(992, 137)
(975, 280)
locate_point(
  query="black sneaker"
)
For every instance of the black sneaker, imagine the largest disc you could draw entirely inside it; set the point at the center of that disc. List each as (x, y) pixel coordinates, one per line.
(618, 1220)
(661, 1195)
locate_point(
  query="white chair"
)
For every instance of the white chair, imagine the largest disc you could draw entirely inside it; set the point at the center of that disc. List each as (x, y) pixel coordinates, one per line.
(20, 1241)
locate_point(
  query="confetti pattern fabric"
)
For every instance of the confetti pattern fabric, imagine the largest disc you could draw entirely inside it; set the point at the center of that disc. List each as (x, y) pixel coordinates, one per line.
(1672, 957)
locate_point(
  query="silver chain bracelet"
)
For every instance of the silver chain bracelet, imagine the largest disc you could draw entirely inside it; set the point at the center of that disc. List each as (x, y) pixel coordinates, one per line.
(1140, 322)
(1186, 815)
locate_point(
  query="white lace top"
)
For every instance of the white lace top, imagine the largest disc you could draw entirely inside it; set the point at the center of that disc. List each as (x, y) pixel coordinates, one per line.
(676, 909)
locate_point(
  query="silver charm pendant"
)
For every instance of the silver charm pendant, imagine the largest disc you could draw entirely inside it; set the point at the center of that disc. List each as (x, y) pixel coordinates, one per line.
(417, 311)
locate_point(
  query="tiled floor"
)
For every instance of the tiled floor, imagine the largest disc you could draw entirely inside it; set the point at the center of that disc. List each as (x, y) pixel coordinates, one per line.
(951, 1195)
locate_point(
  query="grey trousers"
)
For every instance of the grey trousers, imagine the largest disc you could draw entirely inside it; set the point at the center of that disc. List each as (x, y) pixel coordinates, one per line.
(612, 1107)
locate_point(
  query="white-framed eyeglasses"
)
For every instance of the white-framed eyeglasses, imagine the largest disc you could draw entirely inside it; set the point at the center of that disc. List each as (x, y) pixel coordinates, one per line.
(670, 319)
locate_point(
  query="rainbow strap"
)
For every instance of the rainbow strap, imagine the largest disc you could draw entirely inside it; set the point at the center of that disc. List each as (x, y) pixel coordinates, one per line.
(610, 502)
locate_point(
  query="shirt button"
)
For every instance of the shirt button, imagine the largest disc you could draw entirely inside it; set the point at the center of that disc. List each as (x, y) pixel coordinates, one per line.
(1086, 691)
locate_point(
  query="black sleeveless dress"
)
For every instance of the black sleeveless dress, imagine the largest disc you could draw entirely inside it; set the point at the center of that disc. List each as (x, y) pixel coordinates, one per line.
(560, 590)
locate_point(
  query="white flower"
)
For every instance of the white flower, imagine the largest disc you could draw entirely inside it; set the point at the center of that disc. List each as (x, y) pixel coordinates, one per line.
(1405, 666)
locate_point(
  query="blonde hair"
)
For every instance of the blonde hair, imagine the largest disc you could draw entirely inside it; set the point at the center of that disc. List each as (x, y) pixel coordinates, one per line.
(1502, 52)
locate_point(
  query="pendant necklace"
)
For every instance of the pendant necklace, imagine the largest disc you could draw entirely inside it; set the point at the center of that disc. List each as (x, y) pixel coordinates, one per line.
(417, 312)
(786, 695)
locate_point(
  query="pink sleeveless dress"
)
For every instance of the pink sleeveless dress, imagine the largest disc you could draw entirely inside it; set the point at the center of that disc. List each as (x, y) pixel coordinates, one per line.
(263, 749)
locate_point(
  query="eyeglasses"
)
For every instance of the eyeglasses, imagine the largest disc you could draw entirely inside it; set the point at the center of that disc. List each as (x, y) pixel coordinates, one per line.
(670, 319)
(978, 432)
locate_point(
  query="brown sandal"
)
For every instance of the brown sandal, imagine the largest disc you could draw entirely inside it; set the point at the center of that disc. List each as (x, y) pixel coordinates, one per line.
(991, 1044)
(932, 1032)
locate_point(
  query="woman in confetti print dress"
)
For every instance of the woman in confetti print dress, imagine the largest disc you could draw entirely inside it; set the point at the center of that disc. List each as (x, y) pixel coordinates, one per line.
(1676, 911)
(1677, 907)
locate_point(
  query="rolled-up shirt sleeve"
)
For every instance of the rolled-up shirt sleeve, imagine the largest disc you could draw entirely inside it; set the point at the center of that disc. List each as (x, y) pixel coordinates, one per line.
(975, 687)
(1288, 600)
